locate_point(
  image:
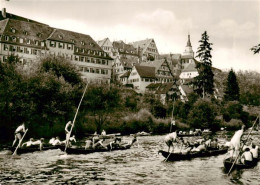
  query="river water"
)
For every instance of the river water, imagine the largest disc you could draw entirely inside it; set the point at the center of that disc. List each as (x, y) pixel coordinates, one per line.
(138, 165)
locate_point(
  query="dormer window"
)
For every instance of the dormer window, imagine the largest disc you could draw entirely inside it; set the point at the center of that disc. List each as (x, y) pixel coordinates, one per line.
(132, 52)
(25, 32)
(39, 35)
(82, 43)
(92, 44)
(60, 37)
(21, 40)
(6, 38)
(36, 42)
(28, 41)
(13, 30)
(73, 41)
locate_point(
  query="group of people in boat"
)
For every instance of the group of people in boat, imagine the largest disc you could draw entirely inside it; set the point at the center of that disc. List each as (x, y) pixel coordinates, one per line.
(97, 141)
(249, 151)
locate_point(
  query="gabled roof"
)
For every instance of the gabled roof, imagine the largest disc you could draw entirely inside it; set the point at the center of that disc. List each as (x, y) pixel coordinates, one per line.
(190, 68)
(156, 63)
(187, 89)
(129, 61)
(102, 42)
(145, 71)
(142, 43)
(16, 17)
(79, 39)
(161, 88)
(22, 29)
(126, 74)
(124, 48)
(174, 58)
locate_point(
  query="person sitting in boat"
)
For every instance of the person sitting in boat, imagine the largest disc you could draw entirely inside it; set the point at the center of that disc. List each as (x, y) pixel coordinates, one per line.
(28, 143)
(39, 142)
(254, 151)
(214, 144)
(19, 132)
(200, 148)
(103, 133)
(115, 143)
(89, 144)
(247, 157)
(71, 139)
(180, 132)
(191, 132)
(56, 141)
(100, 144)
(51, 140)
(235, 142)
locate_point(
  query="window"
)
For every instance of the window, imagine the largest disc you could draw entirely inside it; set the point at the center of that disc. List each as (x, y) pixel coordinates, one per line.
(77, 49)
(82, 43)
(36, 42)
(42, 44)
(21, 40)
(6, 38)
(14, 39)
(28, 41)
(81, 69)
(69, 46)
(12, 30)
(93, 60)
(53, 44)
(61, 45)
(60, 37)
(39, 35)
(87, 69)
(82, 59)
(98, 61)
(6, 47)
(25, 32)
(76, 58)
(97, 71)
(88, 60)
(92, 70)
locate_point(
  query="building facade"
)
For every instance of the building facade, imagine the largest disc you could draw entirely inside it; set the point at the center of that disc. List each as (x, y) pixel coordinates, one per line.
(147, 48)
(30, 41)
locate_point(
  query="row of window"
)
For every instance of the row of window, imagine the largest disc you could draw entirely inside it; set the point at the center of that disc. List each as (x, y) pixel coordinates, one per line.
(91, 60)
(61, 45)
(93, 70)
(142, 79)
(22, 49)
(152, 50)
(24, 41)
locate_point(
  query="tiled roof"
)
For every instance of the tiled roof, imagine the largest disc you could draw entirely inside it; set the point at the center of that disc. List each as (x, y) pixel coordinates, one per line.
(153, 85)
(142, 43)
(33, 31)
(80, 40)
(102, 42)
(186, 57)
(190, 68)
(155, 63)
(16, 17)
(126, 74)
(129, 61)
(145, 71)
(124, 48)
(186, 89)
(165, 87)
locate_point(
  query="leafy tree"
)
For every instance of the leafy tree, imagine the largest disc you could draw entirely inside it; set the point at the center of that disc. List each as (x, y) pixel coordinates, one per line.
(232, 88)
(101, 101)
(204, 82)
(256, 49)
(202, 115)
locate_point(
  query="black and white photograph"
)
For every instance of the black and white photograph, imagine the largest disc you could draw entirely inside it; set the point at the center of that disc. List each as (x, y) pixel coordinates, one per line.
(152, 92)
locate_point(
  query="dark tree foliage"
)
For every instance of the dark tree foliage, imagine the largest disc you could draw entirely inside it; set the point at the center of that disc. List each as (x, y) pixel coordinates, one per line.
(61, 68)
(101, 100)
(202, 115)
(204, 82)
(232, 88)
(256, 49)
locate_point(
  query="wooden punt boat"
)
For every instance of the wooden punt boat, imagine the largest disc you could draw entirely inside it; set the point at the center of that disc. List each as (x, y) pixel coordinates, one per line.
(238, 166)
(88, 151)
(24, 150)
(189, 156)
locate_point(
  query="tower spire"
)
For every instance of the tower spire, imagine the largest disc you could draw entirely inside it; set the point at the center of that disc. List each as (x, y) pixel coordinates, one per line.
(188, 43)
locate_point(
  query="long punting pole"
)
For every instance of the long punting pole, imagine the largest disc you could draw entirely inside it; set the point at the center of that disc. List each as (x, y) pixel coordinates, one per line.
(243, 145)
(20, 142)
(67, 138)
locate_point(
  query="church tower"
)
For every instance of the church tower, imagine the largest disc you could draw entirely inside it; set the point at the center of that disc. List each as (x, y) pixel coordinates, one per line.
(188, 48)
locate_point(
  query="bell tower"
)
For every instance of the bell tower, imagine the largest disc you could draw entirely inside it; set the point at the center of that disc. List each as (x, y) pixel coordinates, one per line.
(188, 48)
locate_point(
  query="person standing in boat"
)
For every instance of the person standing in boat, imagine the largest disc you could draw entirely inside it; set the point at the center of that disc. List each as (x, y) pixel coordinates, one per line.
(19, 133)
(68, 127)
(235, 142)
(171, 138)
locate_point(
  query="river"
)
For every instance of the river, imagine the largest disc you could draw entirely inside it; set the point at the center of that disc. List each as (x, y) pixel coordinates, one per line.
(138, 165)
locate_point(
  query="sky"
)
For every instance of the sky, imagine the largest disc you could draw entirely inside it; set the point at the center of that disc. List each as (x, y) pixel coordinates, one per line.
(233, 26)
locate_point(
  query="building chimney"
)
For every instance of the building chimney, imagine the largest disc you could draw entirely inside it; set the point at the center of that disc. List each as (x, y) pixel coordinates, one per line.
(4, 13)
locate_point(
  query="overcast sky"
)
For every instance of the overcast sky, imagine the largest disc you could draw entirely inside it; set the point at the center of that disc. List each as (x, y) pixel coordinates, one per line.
(233, 26)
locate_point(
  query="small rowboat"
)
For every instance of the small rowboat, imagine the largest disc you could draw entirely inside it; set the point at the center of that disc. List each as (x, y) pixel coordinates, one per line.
(88, 151)
(24, 150)
(180, 156)
(229, 162)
